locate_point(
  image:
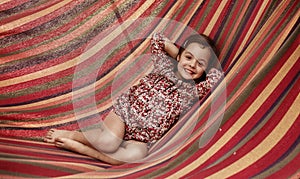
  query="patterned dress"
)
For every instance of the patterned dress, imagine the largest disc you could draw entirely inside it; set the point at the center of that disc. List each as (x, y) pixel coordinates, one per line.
(150, 108)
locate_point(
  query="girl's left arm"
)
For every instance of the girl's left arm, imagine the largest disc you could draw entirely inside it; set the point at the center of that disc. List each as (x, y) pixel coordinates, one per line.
(161, 44)
(212, 78)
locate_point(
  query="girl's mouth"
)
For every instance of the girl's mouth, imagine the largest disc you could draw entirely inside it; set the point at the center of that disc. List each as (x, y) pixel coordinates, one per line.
(189, 71)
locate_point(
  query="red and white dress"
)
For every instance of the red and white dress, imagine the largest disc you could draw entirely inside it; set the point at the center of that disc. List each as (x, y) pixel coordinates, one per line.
(150, 108)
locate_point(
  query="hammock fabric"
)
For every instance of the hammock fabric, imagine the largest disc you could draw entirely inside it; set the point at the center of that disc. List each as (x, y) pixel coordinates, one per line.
(45, 44)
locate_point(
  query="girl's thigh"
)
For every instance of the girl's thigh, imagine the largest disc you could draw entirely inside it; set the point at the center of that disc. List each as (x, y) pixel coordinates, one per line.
(113, 124)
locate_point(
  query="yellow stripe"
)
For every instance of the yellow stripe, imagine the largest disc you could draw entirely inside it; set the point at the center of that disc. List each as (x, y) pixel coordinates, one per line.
(214, 19)
(266, 145)
(32, 17)
(243, 119)
(38, 74)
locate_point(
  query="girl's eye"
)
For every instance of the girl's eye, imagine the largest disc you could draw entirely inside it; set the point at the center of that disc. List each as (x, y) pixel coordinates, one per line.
(188, 57)
(201, 64)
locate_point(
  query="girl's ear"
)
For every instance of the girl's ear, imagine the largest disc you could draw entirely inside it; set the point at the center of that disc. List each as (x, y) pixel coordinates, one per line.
(178, 57)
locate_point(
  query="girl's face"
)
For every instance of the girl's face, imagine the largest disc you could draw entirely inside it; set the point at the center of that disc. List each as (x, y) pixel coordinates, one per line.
(193, 61)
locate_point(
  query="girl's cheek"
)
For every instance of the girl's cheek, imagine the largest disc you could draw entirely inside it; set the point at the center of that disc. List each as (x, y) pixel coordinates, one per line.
(200, 71)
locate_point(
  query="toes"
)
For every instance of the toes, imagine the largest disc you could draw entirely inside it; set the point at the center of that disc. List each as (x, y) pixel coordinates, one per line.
(48, 140)
(61, 142)
(51, 131)
(49, 136)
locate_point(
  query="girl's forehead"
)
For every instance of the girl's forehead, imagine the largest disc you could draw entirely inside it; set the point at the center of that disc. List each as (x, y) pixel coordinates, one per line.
(199, 51)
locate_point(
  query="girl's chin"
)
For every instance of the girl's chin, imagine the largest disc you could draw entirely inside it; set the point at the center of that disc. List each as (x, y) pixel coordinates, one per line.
(186, 76)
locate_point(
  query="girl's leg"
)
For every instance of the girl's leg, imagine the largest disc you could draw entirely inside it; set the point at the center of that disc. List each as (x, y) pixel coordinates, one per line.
(127, 152)
(110, 136)
(107, 138)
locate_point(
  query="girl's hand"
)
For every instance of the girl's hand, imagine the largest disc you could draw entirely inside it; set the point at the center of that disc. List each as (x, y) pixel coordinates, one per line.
(167, 45)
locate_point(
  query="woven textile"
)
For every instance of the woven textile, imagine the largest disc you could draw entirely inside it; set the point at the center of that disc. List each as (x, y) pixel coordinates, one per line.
(63, 61)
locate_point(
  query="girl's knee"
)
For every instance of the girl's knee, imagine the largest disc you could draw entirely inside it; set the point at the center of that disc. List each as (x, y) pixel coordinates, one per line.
(107, 144)
(138, 154)
(135, 153)
(130, 152)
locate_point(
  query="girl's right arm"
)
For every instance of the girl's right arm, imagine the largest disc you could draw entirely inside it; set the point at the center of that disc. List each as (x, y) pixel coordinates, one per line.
(171, 48)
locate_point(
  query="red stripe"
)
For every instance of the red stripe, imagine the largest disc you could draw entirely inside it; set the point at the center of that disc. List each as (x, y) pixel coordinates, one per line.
(231, 86)
(290, 170)
(60, 60)
(198, 15)
(173, 21)
(48, 92)
(28, 169)
(34, 132)
(185, 10)
(14, 142)
(29, 11)
(162, 12)
(63, 87)
(108, 65)
(54, 154)
(10, 5)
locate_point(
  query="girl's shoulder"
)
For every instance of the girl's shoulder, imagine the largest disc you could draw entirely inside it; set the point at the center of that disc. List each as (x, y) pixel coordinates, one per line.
(214, 74)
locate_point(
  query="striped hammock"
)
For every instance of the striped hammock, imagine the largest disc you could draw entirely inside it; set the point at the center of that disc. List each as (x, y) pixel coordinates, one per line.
(62, 62)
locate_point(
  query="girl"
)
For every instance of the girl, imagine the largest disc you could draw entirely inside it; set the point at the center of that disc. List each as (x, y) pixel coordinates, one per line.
(145, 112)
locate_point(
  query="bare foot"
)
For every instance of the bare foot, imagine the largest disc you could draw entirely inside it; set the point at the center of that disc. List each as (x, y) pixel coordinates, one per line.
(54, 133)
(69, 144)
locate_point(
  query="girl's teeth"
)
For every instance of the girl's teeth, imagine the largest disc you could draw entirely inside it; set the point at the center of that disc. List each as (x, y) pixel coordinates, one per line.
(188, 71)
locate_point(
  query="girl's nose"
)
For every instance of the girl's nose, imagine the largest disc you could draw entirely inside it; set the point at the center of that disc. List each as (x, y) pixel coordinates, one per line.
(193, 63)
